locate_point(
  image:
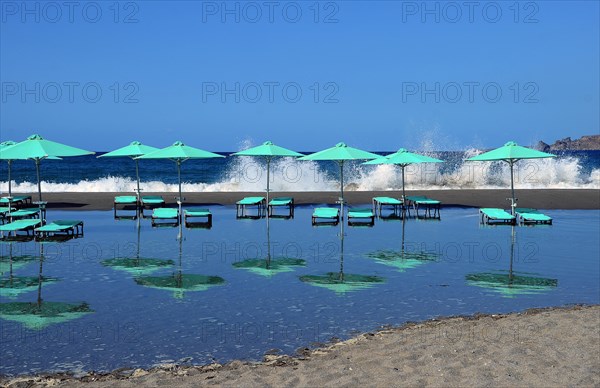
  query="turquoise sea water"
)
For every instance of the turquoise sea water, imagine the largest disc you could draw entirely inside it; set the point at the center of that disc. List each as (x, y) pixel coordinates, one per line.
(112, 303)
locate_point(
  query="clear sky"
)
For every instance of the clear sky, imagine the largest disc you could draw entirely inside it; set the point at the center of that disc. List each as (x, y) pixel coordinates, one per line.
(306, 75)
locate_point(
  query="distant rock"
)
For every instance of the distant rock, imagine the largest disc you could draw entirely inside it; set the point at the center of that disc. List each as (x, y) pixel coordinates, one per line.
(585, 143)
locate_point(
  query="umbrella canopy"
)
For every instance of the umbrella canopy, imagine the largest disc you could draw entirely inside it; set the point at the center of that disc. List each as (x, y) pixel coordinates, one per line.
(268, 150)
(511, 153)
(38, 148)
(179, 153)
(132, 151)
(404, 158)
(341, 153)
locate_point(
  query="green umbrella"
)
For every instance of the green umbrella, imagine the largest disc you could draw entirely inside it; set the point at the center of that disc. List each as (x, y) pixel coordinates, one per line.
(511, 153)
(268, 150)
(132, 151)
(178, 282)
(179, 153)
(3, 145)
(341, 282)
(341, 153)
(403, 260)
(38, 148)
(510, 283)
(39, 314)
(404, 158)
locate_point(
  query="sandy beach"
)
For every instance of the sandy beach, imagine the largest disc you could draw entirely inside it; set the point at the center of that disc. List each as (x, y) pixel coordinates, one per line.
(536, 198)
(538, 348)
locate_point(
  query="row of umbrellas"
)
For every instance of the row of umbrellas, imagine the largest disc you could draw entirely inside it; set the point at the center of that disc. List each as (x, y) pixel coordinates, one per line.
(37, 148)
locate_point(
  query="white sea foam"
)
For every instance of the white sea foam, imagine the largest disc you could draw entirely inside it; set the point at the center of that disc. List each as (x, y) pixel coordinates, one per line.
(248, 174)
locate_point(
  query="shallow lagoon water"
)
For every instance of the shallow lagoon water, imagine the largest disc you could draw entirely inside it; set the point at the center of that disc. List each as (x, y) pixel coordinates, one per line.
(131, 319)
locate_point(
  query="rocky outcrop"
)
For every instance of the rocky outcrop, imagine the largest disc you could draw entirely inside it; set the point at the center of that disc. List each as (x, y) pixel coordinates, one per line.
(591, 142)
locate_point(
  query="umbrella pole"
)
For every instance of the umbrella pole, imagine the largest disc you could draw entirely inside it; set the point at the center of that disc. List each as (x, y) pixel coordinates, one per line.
(180, 199)
(9, 182)
(342, 252)
(268, 183)
(39, 182)
(342, 192)
(513, 203)
(512, 253)
(403, 193)
(137, 175)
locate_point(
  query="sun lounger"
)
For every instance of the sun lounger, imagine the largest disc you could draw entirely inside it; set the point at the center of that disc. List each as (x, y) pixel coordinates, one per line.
(532, 216)
(418, 201)
(281, 202)
(25, 213)
(72, 228)
(329, 215)
(259, 202)
(496, 216)
(4, 213)
(151, 202)
(361, 216)
(125, 201)
(197, 213)
(380, 202)
(17, 200)
(165, 216)
(21, 226)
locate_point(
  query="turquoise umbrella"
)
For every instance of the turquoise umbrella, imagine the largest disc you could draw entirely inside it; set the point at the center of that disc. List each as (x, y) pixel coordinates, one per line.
(38, 148)
(404, 158)
(132, 151)
(179, 153)
(511, 153)
(341, 153)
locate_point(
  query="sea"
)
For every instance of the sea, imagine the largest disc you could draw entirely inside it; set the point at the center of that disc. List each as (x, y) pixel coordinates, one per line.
(570, 170)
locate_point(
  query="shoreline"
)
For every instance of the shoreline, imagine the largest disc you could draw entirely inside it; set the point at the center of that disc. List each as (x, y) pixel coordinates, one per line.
(524, 348)
(535, 198)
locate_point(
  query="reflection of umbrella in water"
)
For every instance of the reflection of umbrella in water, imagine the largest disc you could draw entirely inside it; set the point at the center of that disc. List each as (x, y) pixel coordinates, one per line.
(341, 282)
(39, 314)
(132, 151)
(10, 263)
(178, 282)
(511, 153)
(403, 260)
(510, 284)
(403, 158)
(135, 265)
(14, 286)
(270, 266)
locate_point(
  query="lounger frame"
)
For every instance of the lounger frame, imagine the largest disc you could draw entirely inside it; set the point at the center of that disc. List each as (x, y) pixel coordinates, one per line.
(328, 220)
(490, 220)
(188, 214)
(281, 202)
(380, 202)
(430, 206)
(241, 207)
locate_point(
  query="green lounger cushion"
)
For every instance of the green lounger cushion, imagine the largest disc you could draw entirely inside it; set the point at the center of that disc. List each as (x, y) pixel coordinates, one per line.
(152, 200)
(19, 225)
(532, 215)
(59, 226)
(423, 200)
(16, 198)
(387, 200)
(360, 213)
(326, 212)
(281, 201)
(25, 212)
(164, 213)
(197, 212)
(126, 199)
(250, 200)
(497, 214)
(6, 210)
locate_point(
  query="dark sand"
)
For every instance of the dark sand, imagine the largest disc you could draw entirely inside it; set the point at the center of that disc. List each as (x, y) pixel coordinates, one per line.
(536, 198)
(539, 348)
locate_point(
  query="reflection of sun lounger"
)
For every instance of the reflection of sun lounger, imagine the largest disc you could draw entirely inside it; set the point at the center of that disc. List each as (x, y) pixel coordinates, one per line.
(496, 216)
(17, 200)
(532, 216)
(162, 214)
(379, 202)
(259, 202)
(72, 228)
(151, 202)
(197, 213)
(417, 201)
(361, 216)
(125, 201)
(279, 202)
(20, 226)
(326, 215)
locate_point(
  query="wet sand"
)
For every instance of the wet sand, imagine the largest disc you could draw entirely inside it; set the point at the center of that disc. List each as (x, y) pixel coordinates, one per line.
(536, 198)
(537, 348)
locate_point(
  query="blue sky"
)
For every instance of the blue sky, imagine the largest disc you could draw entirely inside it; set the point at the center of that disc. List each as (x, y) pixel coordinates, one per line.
(378, 75)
